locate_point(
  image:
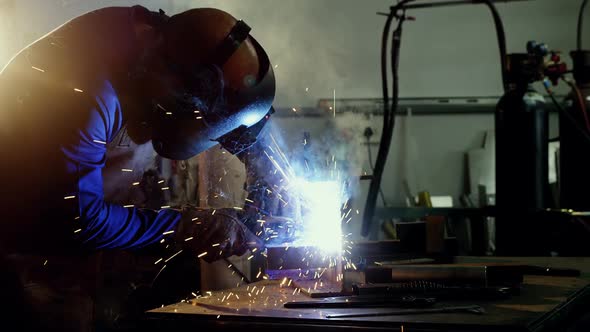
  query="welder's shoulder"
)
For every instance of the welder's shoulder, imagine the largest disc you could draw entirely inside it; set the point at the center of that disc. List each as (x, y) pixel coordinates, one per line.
(95, 107)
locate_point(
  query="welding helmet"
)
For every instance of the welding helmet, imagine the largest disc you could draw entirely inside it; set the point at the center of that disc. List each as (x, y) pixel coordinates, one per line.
(224, 90)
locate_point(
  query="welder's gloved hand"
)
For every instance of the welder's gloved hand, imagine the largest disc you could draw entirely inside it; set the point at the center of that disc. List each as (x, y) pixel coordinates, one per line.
(280, 230)
(220, 233)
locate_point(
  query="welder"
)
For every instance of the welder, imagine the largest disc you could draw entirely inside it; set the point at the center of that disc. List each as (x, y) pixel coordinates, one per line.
(185, 82)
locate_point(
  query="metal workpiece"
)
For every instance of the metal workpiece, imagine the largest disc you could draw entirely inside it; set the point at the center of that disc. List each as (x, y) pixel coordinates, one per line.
(287, 257)
(301, 263)
(541, 307)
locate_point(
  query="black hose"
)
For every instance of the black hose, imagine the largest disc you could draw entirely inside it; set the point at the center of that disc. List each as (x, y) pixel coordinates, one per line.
(388, 116)
(500, 34)
(375, 183)
(580, 24)
(370, 155)
(389, 113)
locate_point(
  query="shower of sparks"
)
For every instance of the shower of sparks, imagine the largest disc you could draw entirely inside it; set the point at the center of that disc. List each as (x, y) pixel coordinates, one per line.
(188, 239)
(202, 254)
(157, 275)
(294, 109)
(176, 254)
(167, 232)
(99, 142)
(45, 263)
(38, 69)
(282, 155)
(78, 230)
(158, 261)
(165, 188)
(78, 90)
(126, 170)
(165, 206)
(320, 191)
(168, 113)
(276, 165)
(135, 184)
(128, 206)
(69, 197)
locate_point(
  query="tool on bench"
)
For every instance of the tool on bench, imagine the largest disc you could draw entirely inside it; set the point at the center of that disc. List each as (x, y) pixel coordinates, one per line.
(364, 302)
(473, 309)
(439, 291)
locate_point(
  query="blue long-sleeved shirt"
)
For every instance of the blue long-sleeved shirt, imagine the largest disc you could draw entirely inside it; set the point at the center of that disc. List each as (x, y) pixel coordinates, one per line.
(59, 109)
(106, 225)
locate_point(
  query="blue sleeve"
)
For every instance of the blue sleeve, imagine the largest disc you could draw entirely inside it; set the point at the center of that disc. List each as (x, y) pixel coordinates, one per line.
(101, 224)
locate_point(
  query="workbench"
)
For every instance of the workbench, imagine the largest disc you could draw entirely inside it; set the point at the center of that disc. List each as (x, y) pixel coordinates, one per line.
(545, 303)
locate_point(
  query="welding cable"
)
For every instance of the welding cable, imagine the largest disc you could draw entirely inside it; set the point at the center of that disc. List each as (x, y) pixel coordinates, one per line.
(370, 157)
(376, 180)
(580, 100)
(388, 112)
(580, 24)
(573, 121)
(501, 36)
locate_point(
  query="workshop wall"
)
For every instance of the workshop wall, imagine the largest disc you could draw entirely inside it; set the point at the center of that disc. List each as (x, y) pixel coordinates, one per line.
(322, 47)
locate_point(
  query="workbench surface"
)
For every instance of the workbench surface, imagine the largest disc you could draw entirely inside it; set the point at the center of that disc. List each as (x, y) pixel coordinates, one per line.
(544, 304)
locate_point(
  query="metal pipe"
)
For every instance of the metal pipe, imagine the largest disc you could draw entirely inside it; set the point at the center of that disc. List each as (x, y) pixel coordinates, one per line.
(452, 3)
